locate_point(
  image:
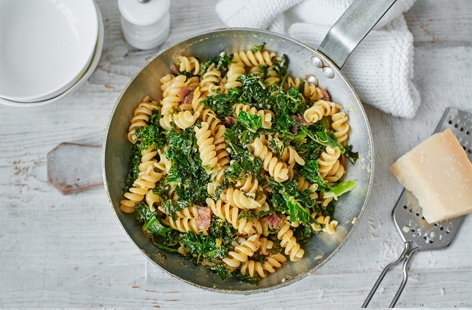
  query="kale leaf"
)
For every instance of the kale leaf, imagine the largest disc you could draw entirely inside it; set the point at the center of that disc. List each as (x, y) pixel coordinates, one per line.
(352, 156)
(186, 172)
(311, 172)
(221, 63)
(251, 122)
(222, 104)
(133, 172)
(258, 48)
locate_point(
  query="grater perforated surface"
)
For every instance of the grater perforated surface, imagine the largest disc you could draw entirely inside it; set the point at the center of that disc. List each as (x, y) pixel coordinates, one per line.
(407, 213)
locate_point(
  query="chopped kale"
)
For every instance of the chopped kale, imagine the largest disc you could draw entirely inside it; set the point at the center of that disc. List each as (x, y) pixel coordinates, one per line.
(311, 172)
(224, 274)
(340, 189)
(222, 104)
(258, 48)
(352, 156)
(247, 215)
(280, 66)
(221, 63)
(287, 199)
(251, 122)
(277, 146)
(162, 235)
(133, 172)
(212, 247)
(186, 172)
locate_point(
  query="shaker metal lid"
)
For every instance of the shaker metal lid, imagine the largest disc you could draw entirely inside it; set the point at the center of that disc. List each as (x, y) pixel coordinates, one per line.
(143, 13)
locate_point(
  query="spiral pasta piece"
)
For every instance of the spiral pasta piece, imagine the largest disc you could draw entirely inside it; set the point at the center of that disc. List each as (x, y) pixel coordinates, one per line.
(152, 199)
(340, 125)
(327, 159)
(324, 223)
(336, 172)
(266, 115)
(222, 154)
(235, 70)
(272, 77)
(147, 178)
(188, 212)
(231, 214)
(184, 119)
(261, 227)
(206, 147)
(253, 268)
(166, 122)
(210, 80)
(171, 98)
(182, 224)
(248, 185)
(141, 116)
(237, 198)
(251, 59)
(276, 168)
(319, 109)
(310, 90)
(188, 64)
(303, 184)
(291, 156)
(245, 248)
(166, 81)
(289, 243)
(266, 246)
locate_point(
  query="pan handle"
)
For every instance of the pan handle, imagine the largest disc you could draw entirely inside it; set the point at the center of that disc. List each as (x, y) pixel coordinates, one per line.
(351, 28)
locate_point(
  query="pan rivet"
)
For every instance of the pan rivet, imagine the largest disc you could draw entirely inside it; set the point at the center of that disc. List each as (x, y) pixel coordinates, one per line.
(312, 79)
(328, 72)
(317, 62)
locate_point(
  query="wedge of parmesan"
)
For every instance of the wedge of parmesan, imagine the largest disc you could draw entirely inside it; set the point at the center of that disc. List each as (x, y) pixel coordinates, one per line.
(439, 174)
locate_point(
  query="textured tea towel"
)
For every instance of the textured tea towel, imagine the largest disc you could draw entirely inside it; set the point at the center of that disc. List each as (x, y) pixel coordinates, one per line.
(381, 68)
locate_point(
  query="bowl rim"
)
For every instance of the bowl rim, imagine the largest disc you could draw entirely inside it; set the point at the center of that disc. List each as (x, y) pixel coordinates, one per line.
(87, 74)
(89, 18)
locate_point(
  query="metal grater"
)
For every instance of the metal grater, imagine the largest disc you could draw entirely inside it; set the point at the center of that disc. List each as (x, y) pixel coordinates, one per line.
(418, 234)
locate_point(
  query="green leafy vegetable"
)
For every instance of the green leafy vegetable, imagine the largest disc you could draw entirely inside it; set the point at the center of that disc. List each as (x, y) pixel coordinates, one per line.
(352, 156)
(212, 247)
(323, 138)
(251, 122)
(164, 236)
(133, 172)
(281, 65)
(186, 172)
(258, 48)
(340, 189)
(221, 63)
(311, 172)
(247, 215)
(222, 104)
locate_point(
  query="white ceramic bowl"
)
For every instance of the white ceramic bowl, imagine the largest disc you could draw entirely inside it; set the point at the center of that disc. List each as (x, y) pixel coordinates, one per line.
(45, 46)
(93, 65)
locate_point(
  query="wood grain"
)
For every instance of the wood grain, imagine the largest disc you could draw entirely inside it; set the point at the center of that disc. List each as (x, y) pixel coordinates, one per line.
(69, 251)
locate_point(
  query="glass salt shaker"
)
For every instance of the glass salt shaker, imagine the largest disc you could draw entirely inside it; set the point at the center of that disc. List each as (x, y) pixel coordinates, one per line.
(145, 23)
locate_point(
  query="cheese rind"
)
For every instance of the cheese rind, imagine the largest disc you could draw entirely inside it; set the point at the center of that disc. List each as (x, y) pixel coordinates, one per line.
(439, 174)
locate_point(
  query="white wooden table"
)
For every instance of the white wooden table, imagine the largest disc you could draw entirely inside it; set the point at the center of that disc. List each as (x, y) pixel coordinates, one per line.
(60, 251)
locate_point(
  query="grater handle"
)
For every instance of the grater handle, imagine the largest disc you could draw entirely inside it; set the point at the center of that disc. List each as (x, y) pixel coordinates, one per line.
(406, 265)
(406, 254)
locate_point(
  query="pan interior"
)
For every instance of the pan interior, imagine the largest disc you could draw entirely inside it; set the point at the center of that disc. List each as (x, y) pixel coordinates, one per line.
(146, 83)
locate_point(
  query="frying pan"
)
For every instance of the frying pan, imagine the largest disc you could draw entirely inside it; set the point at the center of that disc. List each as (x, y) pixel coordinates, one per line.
(325, 64)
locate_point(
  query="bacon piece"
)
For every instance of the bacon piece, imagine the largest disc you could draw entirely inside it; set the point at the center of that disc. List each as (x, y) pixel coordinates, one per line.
(174, 70)
(204, 218)
(230, 121)
(186, 94)
(299, 120)
(325, 94)
(274, 221)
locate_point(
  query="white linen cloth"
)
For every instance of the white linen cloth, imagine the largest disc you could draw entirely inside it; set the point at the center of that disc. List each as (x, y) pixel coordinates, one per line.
(380, 69)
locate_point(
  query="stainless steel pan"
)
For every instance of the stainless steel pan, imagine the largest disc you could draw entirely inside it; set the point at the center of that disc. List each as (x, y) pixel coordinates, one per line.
(325, 64)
